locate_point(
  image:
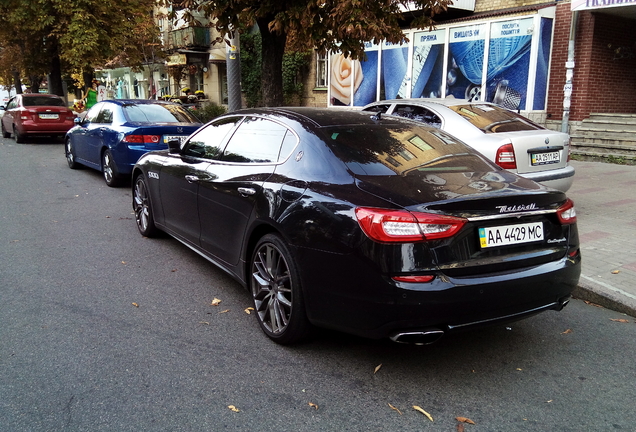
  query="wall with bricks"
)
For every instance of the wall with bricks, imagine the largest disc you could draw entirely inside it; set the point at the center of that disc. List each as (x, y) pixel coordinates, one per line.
(604, 80)
(495, 5)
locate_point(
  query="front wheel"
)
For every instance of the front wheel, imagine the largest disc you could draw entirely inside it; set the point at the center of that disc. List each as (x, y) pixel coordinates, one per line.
(276, 292)
(109, 169)
(142, 208)
(69, 151)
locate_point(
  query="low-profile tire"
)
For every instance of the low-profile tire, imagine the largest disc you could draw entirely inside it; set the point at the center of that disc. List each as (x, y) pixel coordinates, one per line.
(69, 152)
(109, 170)
(19, 138)
(276, 292)
(143, 208)
(5, 134)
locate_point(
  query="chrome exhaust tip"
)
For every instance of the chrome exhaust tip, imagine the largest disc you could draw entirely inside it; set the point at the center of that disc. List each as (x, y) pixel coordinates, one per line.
(420, 337)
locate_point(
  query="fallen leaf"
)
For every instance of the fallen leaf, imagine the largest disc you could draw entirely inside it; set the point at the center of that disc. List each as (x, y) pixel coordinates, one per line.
(173, 270)
(204, 322)
(568, 331)
(416, 408)
(464, 420)
(248, 310)
(395, 409)
(616, 271)
(224, 311)
(460, 427)
(135, 304)
(619, 320)
(593, 304)
(123, 262)
(215, 302)
(313, 405)
(233, 408)
(377, 368)
(550, 401)
(519, 369)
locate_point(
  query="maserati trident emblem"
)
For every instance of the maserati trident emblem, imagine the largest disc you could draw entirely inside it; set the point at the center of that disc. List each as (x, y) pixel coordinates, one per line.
(516, 208)
(180, 130)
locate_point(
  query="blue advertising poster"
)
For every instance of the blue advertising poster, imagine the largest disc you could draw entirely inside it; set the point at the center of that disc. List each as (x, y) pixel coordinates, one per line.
(543, 59)
(394, 78)
(367, 91)
(509, 62)
(428, 64)
(466, 61)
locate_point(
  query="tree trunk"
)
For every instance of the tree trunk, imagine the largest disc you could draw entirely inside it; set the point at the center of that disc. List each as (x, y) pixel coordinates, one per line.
(55, 75)
(17, 82)
(272, 64)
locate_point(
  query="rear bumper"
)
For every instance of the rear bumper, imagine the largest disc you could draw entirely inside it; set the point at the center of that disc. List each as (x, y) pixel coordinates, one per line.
(344, 295)
(559, 179)
(32, 128)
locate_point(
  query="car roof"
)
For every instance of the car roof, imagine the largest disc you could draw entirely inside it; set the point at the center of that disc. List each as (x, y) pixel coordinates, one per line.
(322, 117)
(449, 101)
(122, 102)
(40, 95)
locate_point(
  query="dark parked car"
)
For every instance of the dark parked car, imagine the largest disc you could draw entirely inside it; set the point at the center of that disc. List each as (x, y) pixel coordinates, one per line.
(35, 114)
(115, 133)
(376, 227)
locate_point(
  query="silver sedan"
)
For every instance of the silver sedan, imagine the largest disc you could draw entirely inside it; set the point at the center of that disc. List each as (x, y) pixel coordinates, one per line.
(510, 140)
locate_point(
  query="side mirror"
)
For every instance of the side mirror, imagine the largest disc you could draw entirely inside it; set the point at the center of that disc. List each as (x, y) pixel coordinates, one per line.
(77, 120)
(174, 146)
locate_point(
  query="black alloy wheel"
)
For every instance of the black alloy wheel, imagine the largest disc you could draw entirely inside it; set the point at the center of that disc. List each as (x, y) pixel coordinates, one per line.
(143, 209)
(276, 291)
(111, 176)
(69, 152)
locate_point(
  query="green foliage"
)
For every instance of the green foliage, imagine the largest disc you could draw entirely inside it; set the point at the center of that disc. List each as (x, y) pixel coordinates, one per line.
(251, 68)
(209, 112)
(295, 66)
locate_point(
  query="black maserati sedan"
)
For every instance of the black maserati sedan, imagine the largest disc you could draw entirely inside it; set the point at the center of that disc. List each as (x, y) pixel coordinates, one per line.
(376, 226)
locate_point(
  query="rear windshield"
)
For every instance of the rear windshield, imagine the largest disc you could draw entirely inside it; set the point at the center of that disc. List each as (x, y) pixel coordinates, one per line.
(42, 101)
(492, 119)
(402, 150)
(158, 113)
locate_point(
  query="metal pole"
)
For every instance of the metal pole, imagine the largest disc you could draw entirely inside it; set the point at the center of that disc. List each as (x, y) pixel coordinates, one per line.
(233, 59)
(569, 74)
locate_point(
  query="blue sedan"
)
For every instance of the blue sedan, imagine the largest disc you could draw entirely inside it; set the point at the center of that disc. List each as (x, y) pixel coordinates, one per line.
(114, 134)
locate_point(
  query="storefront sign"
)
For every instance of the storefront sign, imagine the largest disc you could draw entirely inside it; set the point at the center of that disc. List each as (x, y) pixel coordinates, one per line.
(578, 5)
(176, 60)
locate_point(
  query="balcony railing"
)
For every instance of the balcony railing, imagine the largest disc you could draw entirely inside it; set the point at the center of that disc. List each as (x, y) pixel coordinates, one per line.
(190, 37)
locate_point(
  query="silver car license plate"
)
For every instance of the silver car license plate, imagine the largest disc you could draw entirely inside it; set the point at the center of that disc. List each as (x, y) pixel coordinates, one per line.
(545, 158)
(168, 138)
(510, 234)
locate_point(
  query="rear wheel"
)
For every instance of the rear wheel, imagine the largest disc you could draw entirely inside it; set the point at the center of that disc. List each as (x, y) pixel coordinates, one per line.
(109, 169)
(19, 138)
(276, 292)
(5, 134)
(69, 151)
(143, 209)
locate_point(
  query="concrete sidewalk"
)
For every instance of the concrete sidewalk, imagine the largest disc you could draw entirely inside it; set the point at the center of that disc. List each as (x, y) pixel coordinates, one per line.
(604, 196)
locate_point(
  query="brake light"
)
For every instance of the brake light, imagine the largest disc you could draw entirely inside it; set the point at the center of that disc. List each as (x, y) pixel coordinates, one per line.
(402, 226)
(414, 279)
(142, 139)
(567, 213)
(505, 157)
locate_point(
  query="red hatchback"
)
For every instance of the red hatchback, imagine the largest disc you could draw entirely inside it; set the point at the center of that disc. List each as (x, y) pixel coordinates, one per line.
(36, 114)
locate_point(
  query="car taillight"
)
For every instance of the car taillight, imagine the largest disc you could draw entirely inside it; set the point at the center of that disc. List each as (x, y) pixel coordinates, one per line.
(414, 279)
(567, 145)
(505, 157)
(567, 213)
(402, 226)
(142, 139)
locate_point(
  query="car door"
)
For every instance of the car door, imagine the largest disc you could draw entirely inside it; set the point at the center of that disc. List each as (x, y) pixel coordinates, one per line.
(81, 138)
(182, 174)
(235, 183)
(7, 118)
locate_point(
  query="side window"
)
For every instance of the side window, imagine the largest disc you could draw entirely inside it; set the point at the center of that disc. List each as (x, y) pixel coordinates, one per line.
(378, 108)
(104, 116)
(418, 113)
(256, 140)
(91, 115)
(208, 142)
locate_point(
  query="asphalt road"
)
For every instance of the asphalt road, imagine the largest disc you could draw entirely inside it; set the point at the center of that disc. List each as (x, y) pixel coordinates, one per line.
(76, 354)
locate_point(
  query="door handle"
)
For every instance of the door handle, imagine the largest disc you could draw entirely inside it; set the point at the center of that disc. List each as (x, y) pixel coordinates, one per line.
(246, 191)
(192, 178)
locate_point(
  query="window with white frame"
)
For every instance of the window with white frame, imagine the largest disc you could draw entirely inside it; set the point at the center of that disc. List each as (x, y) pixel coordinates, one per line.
(321, 70)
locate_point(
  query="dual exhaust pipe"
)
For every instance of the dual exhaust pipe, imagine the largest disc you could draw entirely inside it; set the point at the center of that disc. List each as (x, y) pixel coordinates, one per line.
(420, 337)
